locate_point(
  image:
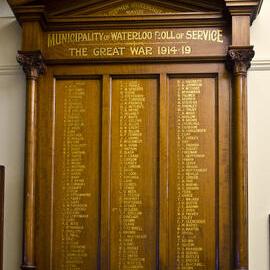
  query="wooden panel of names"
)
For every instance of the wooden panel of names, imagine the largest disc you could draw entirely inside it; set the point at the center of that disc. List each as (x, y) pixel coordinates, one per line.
(134, 184)
(76, 189)
(192, 174)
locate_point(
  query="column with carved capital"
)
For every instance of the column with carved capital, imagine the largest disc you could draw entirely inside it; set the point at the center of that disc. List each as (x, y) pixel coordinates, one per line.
(33, 66)
(239, 59)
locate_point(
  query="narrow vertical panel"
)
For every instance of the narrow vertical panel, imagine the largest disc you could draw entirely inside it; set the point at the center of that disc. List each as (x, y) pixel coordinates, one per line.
(106, 173)
(134, 178)
(163, 176)
(76, 191)
(224, 189)
(45, 171)
(192, 174)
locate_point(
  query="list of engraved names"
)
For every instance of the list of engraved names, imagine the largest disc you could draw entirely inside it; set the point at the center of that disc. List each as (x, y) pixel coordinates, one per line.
(74, 208)
(189, 172)
(131, 233)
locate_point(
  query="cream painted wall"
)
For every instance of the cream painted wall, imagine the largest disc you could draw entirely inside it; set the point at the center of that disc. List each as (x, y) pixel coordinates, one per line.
(259, 143)
(4, 9)
(12, 106)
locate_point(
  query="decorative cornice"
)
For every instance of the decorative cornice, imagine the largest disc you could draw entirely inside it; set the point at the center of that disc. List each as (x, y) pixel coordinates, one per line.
(32, 63)
(239, 58)
(244, 7)
(30, 13)
(38, 10)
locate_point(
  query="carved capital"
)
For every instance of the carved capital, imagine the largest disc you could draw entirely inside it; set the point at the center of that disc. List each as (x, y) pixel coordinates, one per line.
(32, 63)
(239, 58)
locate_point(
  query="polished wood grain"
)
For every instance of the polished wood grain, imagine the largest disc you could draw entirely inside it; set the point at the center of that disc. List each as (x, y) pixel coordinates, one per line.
(106, 171)
(72, 7)
(76, 190)
(138, 44)
(33, 66)
(192, 172)
(163, 172)
(157, 88)
(134, 175)
(29, 248)
(240, 55)
(240, 58)
(240, 174)
(2, 198)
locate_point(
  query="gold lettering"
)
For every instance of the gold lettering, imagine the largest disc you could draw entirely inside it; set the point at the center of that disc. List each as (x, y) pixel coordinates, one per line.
(110, 51)
(135, 43)
(131, 36)
(132, 235)
(78, 52)
(73, 37)
(141, 50)
(205, 35)
(188, 128)
(74, 207)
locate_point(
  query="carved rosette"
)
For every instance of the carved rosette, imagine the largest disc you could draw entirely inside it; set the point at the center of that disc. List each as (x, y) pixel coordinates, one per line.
(32, 63)
(239, 59)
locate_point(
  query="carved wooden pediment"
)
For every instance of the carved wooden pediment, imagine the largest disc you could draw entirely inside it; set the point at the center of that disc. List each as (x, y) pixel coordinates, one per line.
(129, 8)
(50, 12)
(121, 7)
(102, 8)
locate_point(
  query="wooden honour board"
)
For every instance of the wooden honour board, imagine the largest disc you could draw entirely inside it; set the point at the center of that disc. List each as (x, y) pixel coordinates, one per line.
(133, 158)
